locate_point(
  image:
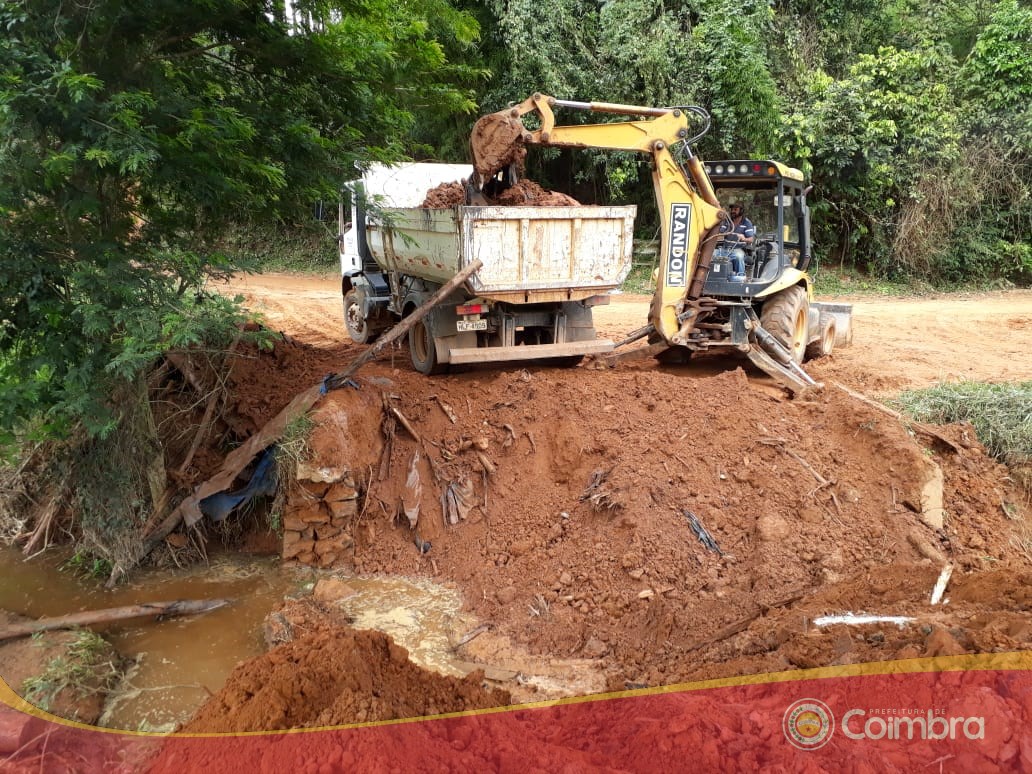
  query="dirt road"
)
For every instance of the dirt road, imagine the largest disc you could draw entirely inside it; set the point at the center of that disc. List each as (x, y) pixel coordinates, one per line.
(899, 343)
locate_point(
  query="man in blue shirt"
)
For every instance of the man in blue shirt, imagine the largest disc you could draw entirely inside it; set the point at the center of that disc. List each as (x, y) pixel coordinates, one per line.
(738, 230)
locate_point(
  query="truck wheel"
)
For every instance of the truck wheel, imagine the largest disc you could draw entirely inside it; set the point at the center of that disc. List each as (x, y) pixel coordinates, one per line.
(824, 345)
(423, 351)
(358, 327)
(784, 316)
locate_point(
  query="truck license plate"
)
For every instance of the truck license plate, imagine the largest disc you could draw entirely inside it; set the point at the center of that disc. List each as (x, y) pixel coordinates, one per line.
(471, 325)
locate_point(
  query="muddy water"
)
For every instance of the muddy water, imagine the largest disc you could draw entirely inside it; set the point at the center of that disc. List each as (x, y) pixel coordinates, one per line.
(179, 662)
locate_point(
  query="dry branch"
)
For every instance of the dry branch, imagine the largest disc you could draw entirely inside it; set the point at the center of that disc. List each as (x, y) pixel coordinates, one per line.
(917, 426)
(90, 617)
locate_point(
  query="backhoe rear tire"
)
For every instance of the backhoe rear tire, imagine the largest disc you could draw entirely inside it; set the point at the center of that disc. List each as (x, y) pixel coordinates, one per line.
(785, 317)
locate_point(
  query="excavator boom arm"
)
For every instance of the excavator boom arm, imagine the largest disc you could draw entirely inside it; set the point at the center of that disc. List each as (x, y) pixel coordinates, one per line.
(689, 210)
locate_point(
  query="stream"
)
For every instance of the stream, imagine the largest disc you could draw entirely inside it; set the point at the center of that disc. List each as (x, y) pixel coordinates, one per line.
(180, 662)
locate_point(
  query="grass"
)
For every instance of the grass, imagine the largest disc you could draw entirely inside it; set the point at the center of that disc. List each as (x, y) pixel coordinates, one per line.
(1000, 413)
(88, 565)
(87, 667)
(309, 248)
(639, 280)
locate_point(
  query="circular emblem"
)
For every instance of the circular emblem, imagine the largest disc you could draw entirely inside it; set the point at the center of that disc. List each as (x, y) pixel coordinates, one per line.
(808, 724)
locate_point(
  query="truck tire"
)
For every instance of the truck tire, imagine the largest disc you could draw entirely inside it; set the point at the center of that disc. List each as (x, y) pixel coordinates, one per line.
(423, 351)
(824, 344)
(358, 326)
(784, 316)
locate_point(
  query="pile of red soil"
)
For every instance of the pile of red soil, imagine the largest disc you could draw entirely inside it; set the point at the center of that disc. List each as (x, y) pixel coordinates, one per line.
(526, 193)
(334, 677)
(579, 544)
(444, 196)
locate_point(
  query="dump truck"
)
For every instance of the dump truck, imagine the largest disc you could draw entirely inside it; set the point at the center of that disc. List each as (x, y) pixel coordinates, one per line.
(544, 269)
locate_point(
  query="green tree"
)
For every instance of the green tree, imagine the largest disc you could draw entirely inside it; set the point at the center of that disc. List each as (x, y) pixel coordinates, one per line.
(132, 133)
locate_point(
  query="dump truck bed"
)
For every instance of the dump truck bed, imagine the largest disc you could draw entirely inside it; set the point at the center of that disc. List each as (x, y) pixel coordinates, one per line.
(529, 253)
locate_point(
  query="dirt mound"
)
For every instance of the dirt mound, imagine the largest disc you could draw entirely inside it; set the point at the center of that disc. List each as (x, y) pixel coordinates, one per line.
(527, 193)
(334, 677)
(444, 196)
(578, 542)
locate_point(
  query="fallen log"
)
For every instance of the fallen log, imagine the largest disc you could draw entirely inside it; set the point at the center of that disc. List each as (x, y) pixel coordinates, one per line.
(189, 510)
(90, 617)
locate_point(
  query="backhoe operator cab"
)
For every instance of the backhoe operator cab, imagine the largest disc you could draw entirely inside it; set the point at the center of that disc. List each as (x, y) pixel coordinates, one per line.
(774, 198)
(776, 285)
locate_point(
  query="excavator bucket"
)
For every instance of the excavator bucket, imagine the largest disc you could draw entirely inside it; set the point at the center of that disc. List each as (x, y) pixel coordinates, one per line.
(497, 143)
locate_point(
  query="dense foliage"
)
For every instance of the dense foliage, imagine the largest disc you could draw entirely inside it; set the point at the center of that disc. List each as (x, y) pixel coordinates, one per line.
(911, 116)
(134, 135)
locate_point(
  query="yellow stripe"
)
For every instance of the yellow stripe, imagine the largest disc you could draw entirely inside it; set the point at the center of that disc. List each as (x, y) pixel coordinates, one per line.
(1021, 660)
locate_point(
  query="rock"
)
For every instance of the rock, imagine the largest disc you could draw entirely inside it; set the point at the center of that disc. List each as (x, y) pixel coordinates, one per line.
(343, 509)
(506, 596)
(521, 547)
(296, 549)
(313, 514)
(637, 574)
(340, 491)
(566, 579)
(332, 590)
(924, 547)
(941, 643)
(333, 545)
(932, 512)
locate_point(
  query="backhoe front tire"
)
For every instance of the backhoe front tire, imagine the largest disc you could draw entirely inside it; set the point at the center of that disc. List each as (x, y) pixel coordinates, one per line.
(785, 317)
(423, 351)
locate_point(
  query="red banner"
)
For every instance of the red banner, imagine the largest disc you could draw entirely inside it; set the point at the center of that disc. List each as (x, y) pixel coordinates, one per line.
(965, 713)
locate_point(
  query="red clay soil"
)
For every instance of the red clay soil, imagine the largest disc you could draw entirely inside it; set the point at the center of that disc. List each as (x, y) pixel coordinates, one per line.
(444, 196)
(526, 193)
(336, 676)
(813, 502)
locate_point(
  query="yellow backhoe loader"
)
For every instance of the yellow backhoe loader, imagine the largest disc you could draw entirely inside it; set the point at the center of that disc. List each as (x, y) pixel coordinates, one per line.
(765, 311)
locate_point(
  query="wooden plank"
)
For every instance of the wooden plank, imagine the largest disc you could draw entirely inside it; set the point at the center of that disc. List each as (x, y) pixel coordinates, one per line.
(529, 352)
